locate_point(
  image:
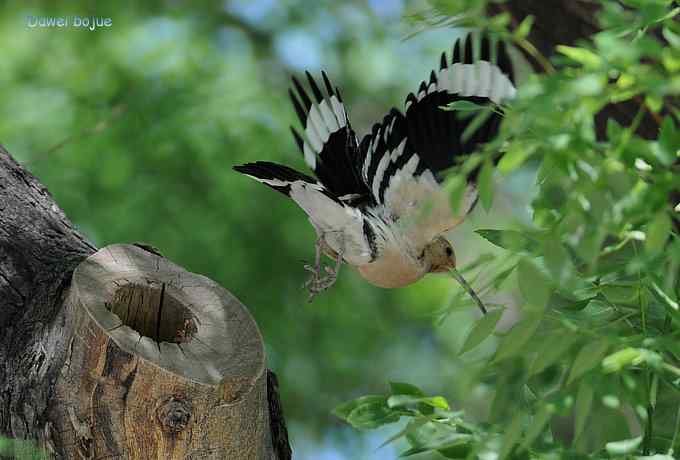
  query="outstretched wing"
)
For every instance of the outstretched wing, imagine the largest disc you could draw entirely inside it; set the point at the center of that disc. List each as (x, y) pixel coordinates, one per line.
(329, 144)
(482, 77)
(344, 227)
(404, 154)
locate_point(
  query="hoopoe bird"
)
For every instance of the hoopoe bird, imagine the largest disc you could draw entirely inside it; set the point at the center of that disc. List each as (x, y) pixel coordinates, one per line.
(377, 205)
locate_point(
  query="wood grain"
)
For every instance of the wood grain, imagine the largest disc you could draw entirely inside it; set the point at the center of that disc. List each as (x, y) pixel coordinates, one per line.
(164, 364)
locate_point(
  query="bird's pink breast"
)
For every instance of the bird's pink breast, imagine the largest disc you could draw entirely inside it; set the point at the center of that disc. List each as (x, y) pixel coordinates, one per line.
(392, 270)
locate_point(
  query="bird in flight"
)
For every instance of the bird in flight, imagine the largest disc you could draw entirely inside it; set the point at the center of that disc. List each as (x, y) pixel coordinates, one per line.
(377, 205)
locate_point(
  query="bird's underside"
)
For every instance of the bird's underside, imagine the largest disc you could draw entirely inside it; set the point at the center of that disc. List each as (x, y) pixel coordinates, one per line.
(378, 205)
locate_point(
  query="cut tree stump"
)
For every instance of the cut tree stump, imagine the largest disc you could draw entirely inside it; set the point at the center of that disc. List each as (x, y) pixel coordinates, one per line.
(163, 364)
(120, 354)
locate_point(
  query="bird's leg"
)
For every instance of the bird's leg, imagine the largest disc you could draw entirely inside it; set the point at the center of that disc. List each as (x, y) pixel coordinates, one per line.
(317, 283)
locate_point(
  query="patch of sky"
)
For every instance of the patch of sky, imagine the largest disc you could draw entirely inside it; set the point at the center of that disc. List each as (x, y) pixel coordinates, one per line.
(299, 49)
(258, 13)
(159, 45)
(234, 41)
(335, 445)
(387, 9)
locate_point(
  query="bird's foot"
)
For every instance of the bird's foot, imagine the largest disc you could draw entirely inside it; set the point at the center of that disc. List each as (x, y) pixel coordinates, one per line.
(317, 283)
(315, 269)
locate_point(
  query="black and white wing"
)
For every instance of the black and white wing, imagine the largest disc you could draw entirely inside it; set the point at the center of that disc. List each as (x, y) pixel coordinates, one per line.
(405, 154)
(328, 143)
(335, 198)
(481, 74)
(343, 225)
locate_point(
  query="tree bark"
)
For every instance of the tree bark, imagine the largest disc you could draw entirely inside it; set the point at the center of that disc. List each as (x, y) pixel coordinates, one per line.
(120, 353)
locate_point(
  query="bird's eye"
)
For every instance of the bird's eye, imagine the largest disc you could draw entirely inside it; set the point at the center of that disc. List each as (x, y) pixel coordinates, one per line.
(449, 251)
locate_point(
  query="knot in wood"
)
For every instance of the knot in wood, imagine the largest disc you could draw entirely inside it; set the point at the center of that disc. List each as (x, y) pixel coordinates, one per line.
(174, 414)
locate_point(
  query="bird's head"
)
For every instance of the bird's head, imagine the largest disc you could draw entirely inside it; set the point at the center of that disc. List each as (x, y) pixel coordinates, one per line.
(442, 259)
(440, 255)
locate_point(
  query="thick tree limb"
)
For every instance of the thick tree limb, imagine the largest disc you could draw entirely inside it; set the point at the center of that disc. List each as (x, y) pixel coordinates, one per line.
(63, 366)
(39, 249)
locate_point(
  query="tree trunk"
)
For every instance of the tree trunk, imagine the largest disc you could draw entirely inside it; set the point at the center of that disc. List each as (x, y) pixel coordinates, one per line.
(120, 353)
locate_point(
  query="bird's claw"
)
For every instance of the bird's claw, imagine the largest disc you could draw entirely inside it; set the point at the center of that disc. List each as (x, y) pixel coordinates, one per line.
(317, 283)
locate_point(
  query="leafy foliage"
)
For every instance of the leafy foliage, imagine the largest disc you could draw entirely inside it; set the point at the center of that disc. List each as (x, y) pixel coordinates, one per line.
(597, 345)
(21, 449)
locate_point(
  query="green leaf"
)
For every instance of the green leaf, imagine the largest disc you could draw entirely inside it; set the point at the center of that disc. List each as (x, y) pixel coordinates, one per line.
(476, 123)
(584, 401)
(516, 338)
(581, 55)
(343, 410)
(672, 38)
(369, 416)
(499, 22)
(625, 294)
(409, 428)
(438, 402)
(655, 457)
(533, 284)
(524, 28)
(669, 142)
(485, 185)
(447, 449)
(481, 261)
(455, 187)
(654, 102)
(502, 276)
(560, 344)
(623, 447)
(512, 435)
(435, 436)
(401, 388)
(657, 233)
(516, 155)
(630, 356)
(511, 240)
(589, 357)
(671, 306)
(367, 412)
(482, 329)
(463, 106)
(614, 130)
(557, 260)
(540, 420)
(623, 358)
(588, 85)
(558, 301)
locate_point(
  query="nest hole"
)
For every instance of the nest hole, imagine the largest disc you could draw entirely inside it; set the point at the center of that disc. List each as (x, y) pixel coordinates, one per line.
(153, 312)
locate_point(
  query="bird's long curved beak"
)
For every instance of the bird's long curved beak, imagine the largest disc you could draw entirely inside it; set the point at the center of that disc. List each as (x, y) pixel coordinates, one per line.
(458, 277)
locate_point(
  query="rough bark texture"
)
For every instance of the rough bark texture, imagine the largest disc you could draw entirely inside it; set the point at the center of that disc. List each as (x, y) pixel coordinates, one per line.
(68, 379)
(163, 364)
(39, 249)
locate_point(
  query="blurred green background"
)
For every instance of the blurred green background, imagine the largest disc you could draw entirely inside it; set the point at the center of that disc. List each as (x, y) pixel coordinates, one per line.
(134, 129)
